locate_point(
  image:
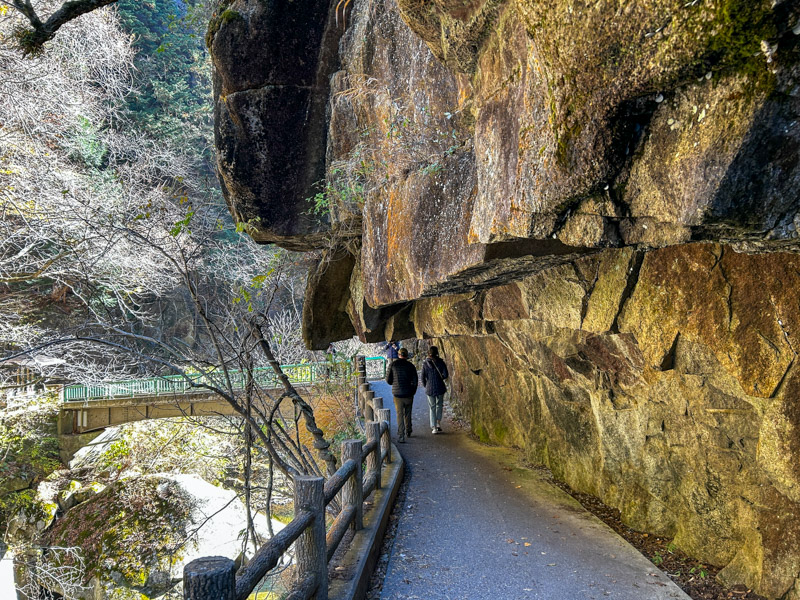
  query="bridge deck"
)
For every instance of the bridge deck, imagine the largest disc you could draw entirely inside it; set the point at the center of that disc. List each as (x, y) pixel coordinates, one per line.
(91, 407)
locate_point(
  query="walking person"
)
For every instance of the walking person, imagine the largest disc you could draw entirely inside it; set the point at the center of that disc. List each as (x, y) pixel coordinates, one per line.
(391, 349)
(402, 376)
(434, 378)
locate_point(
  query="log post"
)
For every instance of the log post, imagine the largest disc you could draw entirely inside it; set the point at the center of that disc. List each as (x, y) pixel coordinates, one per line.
(374, 458)
(364, 387)
(369, 413)
(384, 414)
(311, 552)
(377, 404)
(211, 577)
(353, 490)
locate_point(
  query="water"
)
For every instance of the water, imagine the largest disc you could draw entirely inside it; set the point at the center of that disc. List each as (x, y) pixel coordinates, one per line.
(7, 587)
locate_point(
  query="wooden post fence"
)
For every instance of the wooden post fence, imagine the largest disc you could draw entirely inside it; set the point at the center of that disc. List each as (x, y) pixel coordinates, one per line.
(216, 578)
(374, 456)
(353, 490)
(369, 411)
(364, 387)
(310, 548)
(210, 577)
(385, 418)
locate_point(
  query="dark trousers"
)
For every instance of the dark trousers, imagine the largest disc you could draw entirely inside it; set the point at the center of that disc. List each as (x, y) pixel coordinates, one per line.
(402, 407)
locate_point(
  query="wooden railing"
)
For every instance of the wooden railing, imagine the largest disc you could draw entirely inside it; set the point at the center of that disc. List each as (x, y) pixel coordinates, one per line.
(216, 578)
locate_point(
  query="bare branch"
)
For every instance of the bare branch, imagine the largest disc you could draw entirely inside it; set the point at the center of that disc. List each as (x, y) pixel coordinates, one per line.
(32, 40)
(320, 443)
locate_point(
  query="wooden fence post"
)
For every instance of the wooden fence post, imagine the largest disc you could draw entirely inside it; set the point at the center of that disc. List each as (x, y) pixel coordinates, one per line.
(210, 578)
(311, 552)
(374, 458)
(369, 412)
(377, 404)
(364, 387)
(384, 414)
(353, 490)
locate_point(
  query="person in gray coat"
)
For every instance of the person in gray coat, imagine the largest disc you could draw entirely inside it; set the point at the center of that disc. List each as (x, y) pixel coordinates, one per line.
(402, 376)
(434, 378)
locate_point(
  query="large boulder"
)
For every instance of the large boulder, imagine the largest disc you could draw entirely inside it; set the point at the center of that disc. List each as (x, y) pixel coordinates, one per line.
(272, 60)
(139, 532)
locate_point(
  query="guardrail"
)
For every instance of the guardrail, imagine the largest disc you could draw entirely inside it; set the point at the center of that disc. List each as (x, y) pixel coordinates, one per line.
(179, 384)
(216, 578)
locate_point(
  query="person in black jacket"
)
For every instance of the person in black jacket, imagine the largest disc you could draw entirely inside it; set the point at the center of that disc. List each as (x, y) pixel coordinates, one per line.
(434, 377)
(402, 376)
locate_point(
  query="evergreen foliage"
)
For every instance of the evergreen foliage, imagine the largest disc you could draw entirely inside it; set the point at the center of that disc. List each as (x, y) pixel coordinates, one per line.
(173, 96)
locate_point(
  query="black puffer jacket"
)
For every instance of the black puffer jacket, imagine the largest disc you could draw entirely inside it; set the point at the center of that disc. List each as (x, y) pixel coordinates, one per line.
(402, 376)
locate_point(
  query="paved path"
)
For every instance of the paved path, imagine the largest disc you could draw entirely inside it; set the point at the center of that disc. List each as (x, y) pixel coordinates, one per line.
(476, 526)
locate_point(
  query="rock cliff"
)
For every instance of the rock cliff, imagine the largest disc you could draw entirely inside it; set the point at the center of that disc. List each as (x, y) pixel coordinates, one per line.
(592, 205)
(664, 383)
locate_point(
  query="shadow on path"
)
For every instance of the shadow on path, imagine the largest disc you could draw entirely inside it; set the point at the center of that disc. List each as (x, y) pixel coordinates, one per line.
(476, 525)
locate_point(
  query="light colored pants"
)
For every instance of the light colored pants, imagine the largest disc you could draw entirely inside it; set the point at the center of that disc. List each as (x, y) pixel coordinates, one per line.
(435, 404)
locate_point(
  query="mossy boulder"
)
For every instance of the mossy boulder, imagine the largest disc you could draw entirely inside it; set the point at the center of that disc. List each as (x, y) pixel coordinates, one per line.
(28, 436)
(130, 530)
(28, 516)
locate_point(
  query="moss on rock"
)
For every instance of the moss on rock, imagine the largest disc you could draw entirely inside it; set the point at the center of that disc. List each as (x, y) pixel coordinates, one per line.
(131, 528)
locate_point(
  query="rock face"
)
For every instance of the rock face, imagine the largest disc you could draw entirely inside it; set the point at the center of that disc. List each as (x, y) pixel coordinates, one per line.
(664, 383)
(592, 205)
(272, 60)
(598, 125)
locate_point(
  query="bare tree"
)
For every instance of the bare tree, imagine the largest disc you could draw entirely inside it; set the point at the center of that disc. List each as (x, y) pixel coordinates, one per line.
(103, 232)
(51, 572)
(32, 38)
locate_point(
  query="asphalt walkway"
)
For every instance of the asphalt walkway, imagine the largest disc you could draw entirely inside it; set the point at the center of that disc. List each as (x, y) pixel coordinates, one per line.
(477, 526)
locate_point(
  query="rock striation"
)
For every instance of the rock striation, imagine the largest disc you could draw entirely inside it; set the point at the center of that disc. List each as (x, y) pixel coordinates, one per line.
(592, 206)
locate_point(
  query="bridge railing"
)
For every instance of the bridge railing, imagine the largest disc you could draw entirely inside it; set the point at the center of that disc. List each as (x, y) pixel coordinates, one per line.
(216, 578)
(178, 384)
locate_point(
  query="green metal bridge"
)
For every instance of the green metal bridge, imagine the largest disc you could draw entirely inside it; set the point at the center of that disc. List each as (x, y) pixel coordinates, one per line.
(179, 385)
